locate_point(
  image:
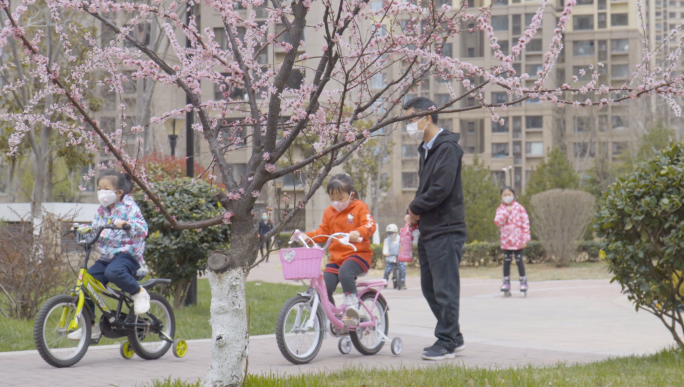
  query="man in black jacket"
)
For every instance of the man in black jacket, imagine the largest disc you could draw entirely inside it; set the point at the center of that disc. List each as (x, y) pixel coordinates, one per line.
(439, 211)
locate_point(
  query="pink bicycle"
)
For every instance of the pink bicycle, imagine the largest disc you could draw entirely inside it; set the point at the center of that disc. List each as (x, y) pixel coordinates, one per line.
(302, 322)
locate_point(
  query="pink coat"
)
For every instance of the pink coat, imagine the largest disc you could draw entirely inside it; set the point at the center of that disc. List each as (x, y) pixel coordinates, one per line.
(514, 225)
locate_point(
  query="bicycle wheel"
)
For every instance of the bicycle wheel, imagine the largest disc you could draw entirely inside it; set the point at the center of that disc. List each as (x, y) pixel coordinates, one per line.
(396, 274)
(146, 343)
(298, 344)
(50, 332)
(366, 340)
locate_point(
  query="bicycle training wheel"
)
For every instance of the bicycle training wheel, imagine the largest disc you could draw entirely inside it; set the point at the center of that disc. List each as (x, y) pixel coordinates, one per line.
(51, 331)
(147, 343)
(366, 340)
(297, 343)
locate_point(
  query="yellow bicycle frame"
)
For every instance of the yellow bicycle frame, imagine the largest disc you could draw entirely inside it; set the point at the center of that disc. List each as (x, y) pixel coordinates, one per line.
(86, 284)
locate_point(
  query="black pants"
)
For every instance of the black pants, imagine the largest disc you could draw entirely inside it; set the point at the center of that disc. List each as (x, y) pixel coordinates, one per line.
(518, 261)
(440, 258)
(118, 271)
(346, 276)
(263, 246)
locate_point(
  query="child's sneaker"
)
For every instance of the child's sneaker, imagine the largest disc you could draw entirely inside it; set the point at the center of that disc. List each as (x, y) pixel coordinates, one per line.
(95, 333)
(141, 302)
(351, 316)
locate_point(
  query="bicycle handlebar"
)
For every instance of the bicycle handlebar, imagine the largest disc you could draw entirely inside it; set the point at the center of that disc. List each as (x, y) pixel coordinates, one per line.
(98, 231)
(344, 239)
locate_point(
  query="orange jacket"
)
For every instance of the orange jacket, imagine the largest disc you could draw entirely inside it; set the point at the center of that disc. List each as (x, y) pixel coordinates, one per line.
(356, 217)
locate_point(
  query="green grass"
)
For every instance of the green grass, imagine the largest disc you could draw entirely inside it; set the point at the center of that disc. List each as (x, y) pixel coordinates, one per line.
(662, 369)
(265, 299)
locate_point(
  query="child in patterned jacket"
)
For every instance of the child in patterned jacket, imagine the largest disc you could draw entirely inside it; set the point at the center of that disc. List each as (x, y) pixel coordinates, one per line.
(514, 223)
(121, 251)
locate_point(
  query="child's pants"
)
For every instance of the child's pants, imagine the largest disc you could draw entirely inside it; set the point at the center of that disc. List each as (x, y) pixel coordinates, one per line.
(118, 271)
(390, 266)
(518, 261)
(349, 270)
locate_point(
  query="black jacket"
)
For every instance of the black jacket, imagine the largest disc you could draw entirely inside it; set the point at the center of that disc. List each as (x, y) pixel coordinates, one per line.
(265, 227)
(439, 198)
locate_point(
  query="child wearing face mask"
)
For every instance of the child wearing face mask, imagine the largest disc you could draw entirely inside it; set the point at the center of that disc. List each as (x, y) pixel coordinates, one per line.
(514, 223)
(121, 251)
(390, 249)
(346, 214)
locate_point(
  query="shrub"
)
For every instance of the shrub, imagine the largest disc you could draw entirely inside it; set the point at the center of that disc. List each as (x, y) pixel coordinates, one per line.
(180, 254)
(33, 268)
(641, 218)
(560, 219)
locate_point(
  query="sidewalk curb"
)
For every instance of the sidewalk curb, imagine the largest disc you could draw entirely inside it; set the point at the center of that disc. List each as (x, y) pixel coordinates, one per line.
(116, 346)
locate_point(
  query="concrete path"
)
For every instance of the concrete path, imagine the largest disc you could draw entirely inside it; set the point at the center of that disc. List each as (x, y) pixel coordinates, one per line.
(559, 321)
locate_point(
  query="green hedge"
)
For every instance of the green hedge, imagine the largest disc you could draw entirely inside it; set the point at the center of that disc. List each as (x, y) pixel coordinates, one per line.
(490, 254)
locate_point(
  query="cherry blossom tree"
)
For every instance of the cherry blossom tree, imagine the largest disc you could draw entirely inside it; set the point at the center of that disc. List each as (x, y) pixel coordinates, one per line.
(359, 42)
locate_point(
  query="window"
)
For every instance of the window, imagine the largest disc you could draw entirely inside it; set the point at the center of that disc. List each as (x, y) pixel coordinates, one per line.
(584, 149)
(578, 71)
(534, 122)
(602, 50)
(533, 70)
(619, 45)
(499, 3)
(409, 151)
(602, 5)
(618, 122)
(585, 2)
(499, 97)
(584, 124)
(233, 132)
(618, 148)
(499, 128)
(673, 15)
(378, 81)
(583, 48)
(602, 20)
(499, 150)
(534, 148)
(470, 53)
(517, 26)
(409, 180)
(500, 23)
(619, 19)
(447, 50)
(535, 45)
(139, 32)
(376, 6)
(504, 46)
(378, 31)
(528, 19)
(583, 22)
(442, 99)
(620, 71)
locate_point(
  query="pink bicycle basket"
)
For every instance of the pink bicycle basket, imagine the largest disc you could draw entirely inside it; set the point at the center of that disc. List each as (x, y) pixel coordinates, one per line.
(301, 263)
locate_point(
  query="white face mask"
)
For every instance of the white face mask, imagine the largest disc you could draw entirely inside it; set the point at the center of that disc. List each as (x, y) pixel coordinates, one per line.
(106, 197)
(341, 206)
(413, 131)
(507, 199)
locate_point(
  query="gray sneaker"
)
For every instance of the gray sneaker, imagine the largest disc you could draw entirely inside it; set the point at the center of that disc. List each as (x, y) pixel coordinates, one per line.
(438, 352)
(457, 349)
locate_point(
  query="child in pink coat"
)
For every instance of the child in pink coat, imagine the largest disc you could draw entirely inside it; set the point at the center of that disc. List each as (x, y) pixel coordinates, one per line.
(514, 223)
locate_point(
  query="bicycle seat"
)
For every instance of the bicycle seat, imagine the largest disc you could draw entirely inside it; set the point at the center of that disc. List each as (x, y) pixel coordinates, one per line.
(154, 282)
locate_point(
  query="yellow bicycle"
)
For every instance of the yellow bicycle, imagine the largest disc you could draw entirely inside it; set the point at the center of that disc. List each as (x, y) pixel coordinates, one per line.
(149, 336)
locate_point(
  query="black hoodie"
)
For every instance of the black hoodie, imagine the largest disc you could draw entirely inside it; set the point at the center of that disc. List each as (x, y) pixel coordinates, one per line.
(439, 198)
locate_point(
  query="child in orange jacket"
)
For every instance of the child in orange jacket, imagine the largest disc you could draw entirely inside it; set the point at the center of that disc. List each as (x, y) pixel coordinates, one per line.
(346, 214)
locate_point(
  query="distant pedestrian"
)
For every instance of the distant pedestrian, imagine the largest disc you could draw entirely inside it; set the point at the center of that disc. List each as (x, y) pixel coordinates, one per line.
(514, 223)
(265, 225)
(390, 249)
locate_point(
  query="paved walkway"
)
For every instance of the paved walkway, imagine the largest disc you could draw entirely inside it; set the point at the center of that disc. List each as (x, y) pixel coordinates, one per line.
(559, 321)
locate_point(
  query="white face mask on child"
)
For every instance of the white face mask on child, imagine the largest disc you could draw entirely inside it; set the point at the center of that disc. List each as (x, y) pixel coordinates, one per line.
(507, 199)
(341, 206)
(106, 197)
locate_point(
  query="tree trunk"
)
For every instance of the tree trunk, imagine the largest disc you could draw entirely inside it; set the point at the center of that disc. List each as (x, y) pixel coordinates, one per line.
(180, 293)
(228, 327)
(11, 189)
(37, 193)
(47, 196)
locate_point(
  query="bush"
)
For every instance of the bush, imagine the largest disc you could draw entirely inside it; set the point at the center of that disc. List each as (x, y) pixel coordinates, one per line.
(641, 218)
(560, 219)
(33, 268)
(180, 254)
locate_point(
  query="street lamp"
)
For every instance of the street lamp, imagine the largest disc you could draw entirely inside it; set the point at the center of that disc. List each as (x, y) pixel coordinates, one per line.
(171, 124)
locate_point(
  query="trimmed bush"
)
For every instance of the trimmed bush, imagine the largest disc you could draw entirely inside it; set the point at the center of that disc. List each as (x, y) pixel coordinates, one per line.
(641, 218)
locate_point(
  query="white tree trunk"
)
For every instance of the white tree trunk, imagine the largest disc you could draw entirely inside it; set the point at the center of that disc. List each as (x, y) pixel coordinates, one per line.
(229, 328)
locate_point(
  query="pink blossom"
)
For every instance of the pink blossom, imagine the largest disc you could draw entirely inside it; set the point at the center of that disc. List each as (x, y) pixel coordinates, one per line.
(255, 194)
(267, 156)
(270, 168)
(227, 217)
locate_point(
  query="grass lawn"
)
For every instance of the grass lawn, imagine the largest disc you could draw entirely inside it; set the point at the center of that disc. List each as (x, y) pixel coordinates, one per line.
(536, 272)
(265, 299)
(662, 369)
